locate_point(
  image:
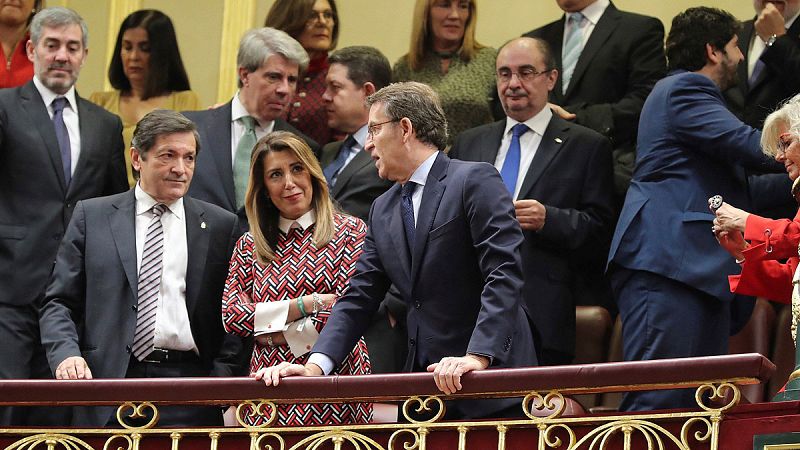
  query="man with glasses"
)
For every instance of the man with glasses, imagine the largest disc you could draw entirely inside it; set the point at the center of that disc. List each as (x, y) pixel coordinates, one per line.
(446, 237)
(560, 177)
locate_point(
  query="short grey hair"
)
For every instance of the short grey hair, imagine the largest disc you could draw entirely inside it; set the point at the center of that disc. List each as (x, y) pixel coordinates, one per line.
(786, 116)
(159, 123)
(57, 17)
(260, 43)
(420, 104)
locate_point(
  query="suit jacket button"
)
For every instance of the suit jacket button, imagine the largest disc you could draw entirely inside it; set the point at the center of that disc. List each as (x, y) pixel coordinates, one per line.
(128, 348)
(412, 342)
(134, 307)
(417, 305)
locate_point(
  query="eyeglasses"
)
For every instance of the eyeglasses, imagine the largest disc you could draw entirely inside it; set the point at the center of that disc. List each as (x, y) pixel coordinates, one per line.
(526, 74)
(322, 16)
(375, 128)
(785, 140)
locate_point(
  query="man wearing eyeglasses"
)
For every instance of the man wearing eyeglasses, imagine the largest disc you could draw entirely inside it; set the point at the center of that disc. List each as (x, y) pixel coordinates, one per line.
(560, 177)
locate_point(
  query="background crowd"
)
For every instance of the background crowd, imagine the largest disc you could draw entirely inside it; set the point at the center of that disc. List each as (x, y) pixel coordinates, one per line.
(606, 136)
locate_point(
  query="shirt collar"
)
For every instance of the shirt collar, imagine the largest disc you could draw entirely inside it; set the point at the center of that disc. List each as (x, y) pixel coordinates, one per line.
(361, 136)
(238, 111)
(421, 174)
(593, 12)
(303, 222)
(537, 123)
(48, 96)
(791, 20)
(144, 202)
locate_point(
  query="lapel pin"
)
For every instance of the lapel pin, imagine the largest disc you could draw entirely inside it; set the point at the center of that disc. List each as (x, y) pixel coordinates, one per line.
(203, 225)
(558, 140)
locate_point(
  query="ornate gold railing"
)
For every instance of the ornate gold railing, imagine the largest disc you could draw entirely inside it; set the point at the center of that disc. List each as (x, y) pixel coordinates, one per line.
(551, 421)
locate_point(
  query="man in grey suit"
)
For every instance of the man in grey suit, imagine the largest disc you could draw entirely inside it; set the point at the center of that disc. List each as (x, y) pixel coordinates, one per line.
(137, 286)
(55, 149)
(269, 62)
(354, 74)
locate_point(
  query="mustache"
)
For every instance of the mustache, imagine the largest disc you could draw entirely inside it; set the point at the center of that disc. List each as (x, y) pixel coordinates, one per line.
(59, 66)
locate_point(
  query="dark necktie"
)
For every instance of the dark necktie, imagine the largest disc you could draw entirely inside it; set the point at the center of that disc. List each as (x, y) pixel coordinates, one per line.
(332, 170)
(62, 135)
(144, 335)
(407, 190)
(510, 170)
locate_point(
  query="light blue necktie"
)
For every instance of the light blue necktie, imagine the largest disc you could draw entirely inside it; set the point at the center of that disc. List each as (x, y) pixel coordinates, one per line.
(573, 44)
(510, 170)
(241, 162)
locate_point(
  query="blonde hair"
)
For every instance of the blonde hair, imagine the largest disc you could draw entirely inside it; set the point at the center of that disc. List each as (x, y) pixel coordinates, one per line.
(422, 36)
(262, 214)
(786, 116)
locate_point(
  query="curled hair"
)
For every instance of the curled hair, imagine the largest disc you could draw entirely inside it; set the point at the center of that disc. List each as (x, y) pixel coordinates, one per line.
(258, 44)
(692, 30)
(291, 16)
(57, 17)
(787, 117)
(420, 104)
(263, 215)
(364, 64)
(422, 35)
(161, 122)
(166, 73)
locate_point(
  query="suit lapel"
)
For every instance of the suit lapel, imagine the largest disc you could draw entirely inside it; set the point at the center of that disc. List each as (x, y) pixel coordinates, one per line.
(489, 144)
(396, 230)
(556, 40)
(431, 197)
(197, 237)
(602, 31)
(218, 136)
(122, 221)
(329, 153)
(88, 142)
(745, 35)
(361, 159)
(34, 107)
(553, 140)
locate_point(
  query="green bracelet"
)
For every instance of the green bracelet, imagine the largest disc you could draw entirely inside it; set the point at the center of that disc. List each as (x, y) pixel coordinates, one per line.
(301, 307)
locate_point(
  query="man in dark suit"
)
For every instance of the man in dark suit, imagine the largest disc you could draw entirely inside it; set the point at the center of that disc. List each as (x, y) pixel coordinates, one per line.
(57, 149)
(445, 235)
(137, 286)
(559, 175)
(771, 47)
(268, 65)
(609, 61)
(354, 74)
(668, 273)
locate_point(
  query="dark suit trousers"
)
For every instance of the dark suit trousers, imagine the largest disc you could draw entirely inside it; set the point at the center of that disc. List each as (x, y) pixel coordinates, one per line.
(663, 318)
(23, 357)
(175, 415)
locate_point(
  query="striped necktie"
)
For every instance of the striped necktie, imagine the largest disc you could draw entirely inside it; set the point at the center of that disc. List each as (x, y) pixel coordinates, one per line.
(149, 285)
(573, 44)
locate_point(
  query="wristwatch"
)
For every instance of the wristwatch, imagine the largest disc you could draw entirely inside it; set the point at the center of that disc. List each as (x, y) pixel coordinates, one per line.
(771, 40)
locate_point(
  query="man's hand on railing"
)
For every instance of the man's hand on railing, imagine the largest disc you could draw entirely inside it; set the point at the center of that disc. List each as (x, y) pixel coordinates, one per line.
(272, 375)
(73, 368)
(447, 372)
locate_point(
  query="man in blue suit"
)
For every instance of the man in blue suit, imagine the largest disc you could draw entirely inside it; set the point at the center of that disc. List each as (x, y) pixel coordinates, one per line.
(668, 273)
(445, 235)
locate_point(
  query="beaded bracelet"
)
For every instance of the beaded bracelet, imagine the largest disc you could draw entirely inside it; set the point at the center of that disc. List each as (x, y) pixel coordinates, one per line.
(301, 307)
(318, 304)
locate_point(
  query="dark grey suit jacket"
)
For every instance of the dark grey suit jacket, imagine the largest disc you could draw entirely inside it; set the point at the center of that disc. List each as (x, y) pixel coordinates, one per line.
(213, 173)
(36, 204)
(358, 184)
(90, 304)
(571, 175)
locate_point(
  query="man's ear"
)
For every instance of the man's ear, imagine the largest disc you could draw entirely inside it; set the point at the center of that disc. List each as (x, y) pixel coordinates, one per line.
(712, 55)
(407, 127)
(369, 88)
(136, 161)
(242, 72)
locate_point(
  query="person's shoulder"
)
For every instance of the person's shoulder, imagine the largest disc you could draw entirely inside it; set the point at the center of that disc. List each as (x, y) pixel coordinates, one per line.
(102, 203)
(544, 29)
(350, 224)
(210, 209)
(633, 17)
(104, 98)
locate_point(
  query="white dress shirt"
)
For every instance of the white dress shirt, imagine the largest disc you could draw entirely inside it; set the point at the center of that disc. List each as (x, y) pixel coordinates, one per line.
(592, 13)
(757, 47)
(272, 317)
(528, 144)
(70, 118)
(237, 127)
(173, 330)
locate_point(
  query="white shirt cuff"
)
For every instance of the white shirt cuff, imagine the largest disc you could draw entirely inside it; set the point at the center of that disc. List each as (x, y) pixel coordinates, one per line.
(270, 317)
(323, 361)
(301, 335)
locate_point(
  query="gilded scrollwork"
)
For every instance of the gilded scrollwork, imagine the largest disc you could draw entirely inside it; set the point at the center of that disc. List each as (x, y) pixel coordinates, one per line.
(249, 409)
(138, 411)
(411, 444)
(718, 394)
(337, 437)
(262, 442)
(125, 438)
(424, 405)
(50, 441)
(535, 401)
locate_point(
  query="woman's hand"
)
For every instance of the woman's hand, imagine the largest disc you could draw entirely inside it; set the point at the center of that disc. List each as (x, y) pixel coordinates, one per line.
(272, 375)
(730, 219)
(733, 242)
(265, 341)
(327, 299)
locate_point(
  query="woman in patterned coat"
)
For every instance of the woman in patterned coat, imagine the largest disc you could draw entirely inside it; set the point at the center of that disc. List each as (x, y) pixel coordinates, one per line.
(288, 270)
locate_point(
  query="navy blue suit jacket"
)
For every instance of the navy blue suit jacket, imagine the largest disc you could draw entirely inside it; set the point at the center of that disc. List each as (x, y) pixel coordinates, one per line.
(690, 147)
(462, 282)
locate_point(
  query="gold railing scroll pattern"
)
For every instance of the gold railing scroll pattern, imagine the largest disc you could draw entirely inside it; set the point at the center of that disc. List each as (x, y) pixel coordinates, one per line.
(138, 411)
(264, 412)
(424, 406)
(50, 441)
